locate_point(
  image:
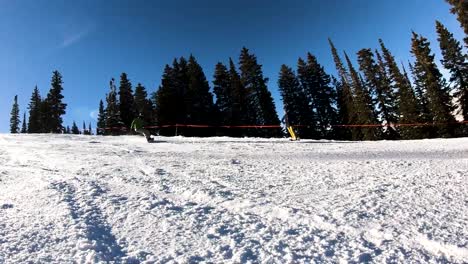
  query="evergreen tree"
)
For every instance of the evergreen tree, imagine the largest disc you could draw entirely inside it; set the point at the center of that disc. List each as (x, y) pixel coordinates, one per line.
(35, 116)
(14, 117)
(223, 92)
(341, 132)
(90, 131)
(296, 105)
(102, 119)
(113, 120)
(239, 114)
(68, 130)
(457, 63)
(54, 108)
(460, 8)
(75, 130)
(345, 99)
(321, 96)
(423, 102)
(143, 105)
(261, 107)
(126, 101)
(428, 75)
(85, 132)
(24, 128)
(406, 102)
(198, 99)
(377, 80)
(165, 100)
(363, 105)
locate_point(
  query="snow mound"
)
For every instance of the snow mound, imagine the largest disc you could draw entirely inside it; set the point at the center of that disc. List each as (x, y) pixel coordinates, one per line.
(91, 199)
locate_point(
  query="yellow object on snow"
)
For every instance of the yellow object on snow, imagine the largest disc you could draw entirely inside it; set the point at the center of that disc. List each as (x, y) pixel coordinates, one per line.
(291, 132)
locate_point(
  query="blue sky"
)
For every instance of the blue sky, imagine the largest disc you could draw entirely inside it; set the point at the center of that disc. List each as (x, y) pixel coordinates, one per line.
(91, 41)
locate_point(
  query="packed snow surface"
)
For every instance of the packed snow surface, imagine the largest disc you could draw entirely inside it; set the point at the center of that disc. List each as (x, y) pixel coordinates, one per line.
(89, 199)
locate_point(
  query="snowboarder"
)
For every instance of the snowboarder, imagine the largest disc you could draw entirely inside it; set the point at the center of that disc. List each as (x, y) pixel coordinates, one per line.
(137, 126)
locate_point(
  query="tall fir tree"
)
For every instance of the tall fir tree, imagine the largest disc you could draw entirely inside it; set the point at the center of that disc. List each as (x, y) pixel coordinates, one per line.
(113, 120)
(296, 106)
(460, 8)
(102, 119)
(365, 114)
(223, 92)
(167, 101)
(428, 75)
(426, 116)
(377, 80)
(456, 62)
(90, 130)
(75, 130)
(143, 105)
(85, 131)
(199, 100)
(24, 128)
(260, 101)
(345, 99)
(14, 117)
(406, 102)
(34, 120)
(239, 114)
(126, 101)
(54, 106)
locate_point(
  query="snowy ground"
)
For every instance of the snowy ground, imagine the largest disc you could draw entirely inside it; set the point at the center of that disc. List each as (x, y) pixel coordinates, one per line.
(221, 200)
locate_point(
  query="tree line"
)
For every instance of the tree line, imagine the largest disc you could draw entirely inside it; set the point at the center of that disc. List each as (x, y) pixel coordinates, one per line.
(383, 97)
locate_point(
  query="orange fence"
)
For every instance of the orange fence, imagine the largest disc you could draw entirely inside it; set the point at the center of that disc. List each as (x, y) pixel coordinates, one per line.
(279, 126)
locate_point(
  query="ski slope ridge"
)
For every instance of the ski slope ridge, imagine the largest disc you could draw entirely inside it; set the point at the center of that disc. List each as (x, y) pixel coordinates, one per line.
(92, 199)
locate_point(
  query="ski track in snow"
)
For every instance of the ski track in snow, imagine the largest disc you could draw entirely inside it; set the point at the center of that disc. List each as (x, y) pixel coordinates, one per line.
(90, 199)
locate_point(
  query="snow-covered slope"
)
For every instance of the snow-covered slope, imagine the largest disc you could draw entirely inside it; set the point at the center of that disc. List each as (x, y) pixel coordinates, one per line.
(89, 199)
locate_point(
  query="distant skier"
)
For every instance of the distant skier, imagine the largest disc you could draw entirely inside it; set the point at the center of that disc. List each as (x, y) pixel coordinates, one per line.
(137, 126)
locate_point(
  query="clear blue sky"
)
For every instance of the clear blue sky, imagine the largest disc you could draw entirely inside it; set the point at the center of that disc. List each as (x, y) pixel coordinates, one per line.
(91, 41)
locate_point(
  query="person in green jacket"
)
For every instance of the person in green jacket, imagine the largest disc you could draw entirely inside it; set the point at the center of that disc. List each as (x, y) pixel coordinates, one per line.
(137, 126)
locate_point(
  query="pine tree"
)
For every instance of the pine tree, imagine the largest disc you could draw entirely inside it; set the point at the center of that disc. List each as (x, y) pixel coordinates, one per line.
(460, 8)
(320, 95)
(457, 63)
(296, 105)
(239, 114)
(223, 92)
(85, 132)
(377, 80)
(68, 130)
(345, 99)
(126, 101)
(113, 120)
(54, 107)
(24, 128)
(90, 131)
(426, 115)
(164, 100)
(406, 102)
(260, 102)
(199, 100)
(363, 105)
(75, 130)
(143, 105)
(428, 75)
(182, 100)
(102, 120)
(35, 116)
(14, 117)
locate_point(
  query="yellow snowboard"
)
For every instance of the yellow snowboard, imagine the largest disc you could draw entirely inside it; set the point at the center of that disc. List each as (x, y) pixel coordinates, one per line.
(291, 132)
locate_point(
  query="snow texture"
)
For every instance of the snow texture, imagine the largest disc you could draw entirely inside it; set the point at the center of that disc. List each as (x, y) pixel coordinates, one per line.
(85, 199)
